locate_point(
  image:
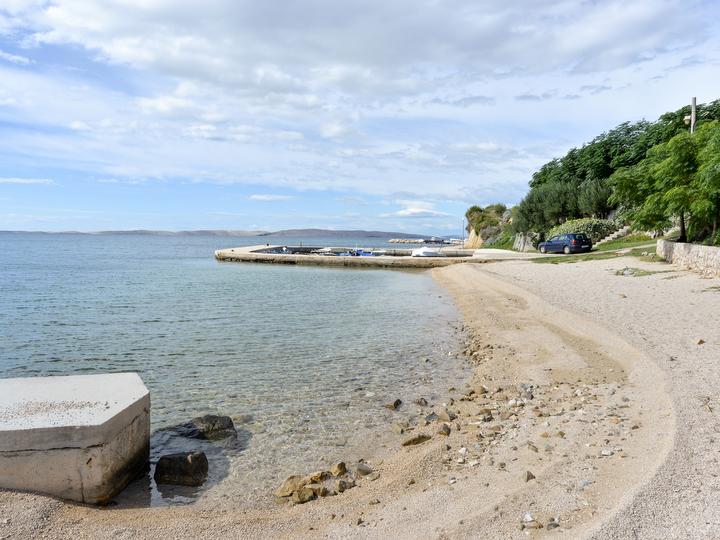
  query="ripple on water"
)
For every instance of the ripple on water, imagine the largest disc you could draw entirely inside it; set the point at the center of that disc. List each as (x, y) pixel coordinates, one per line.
(302, 358)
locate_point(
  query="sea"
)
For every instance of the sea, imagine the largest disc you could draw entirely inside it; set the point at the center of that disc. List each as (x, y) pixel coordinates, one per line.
(303, 359)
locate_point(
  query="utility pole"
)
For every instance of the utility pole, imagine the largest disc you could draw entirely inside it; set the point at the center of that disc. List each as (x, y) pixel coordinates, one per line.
(693, 115)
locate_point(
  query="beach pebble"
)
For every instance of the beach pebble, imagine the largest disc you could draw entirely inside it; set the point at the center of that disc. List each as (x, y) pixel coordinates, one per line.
(363, 469)
(338, 469)
(444, 430)
(528, 476)
(291, 484)
(394, 405)
(416, 439)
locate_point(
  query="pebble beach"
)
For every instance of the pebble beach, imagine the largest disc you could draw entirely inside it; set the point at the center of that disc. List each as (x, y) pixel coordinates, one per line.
(590, 411)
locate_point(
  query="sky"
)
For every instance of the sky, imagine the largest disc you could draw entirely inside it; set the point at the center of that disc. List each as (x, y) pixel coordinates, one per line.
(374, 114)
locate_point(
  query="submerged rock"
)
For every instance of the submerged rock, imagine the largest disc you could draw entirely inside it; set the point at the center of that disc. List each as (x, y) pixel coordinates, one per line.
(183, 469)
(211, 427)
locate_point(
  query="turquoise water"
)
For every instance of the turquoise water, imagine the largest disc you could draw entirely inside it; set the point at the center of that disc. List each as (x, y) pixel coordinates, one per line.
(303, 358)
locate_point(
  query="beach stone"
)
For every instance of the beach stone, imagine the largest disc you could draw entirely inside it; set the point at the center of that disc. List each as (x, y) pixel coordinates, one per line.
(291, 484)
(363, 469)
(394, 405)
(318, 489)
(421, 401)
(416, 439)
(211, 427)
(399, 427)
(317, 476)
(338, 469)
(343, 485)
(303, 495)
(444, 430)
(183, 469)
(528, 476)
(445, 415)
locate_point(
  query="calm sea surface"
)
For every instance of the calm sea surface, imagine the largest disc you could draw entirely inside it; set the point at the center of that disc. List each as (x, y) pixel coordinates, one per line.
(303, 358)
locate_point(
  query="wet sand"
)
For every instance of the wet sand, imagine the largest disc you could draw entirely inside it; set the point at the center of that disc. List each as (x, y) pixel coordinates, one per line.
(573, 385)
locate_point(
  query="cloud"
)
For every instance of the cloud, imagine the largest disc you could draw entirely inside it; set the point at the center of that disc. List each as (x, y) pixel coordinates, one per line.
(419, 213)
(438, 100)
(26, 181)
(536, 97)
(415, 209)
(14, 58)
(595, 88)
(467, 101)
(269, 197)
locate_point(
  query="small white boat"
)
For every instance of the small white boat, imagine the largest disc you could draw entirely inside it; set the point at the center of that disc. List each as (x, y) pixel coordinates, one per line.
(426, 252)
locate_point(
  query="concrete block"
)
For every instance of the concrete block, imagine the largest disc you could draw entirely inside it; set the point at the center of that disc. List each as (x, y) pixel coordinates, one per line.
(78, 437)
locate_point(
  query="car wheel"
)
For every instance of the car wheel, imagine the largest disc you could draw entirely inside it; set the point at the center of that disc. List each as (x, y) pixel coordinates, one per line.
(542, 249)
(566, 250)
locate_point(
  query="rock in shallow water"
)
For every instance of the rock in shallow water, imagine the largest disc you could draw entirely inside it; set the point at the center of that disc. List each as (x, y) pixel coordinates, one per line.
(211, 427)
(183, 469)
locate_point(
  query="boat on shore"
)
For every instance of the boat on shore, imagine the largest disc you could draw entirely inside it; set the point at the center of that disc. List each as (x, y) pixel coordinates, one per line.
(426, 252)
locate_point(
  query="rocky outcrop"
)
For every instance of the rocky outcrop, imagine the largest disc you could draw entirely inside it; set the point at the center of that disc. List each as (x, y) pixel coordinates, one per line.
(182, 469)
(524, 242)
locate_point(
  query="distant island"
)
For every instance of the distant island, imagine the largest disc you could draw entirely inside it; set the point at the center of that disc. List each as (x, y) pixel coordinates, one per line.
(220, 232)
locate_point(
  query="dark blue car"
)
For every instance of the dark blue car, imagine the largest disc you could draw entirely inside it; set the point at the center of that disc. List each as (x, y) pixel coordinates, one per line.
(566, 243)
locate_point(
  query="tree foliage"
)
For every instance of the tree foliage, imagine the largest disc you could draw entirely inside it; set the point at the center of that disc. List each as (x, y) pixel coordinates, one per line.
(613, 170)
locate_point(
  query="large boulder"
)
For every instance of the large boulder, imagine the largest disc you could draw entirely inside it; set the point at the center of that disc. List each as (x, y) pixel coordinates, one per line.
(183, 469)
(210, 427)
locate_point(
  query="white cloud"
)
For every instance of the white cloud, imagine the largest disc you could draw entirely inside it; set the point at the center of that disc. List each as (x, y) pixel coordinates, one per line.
(419, 213)
(370, 97)
(269, 197)
(14, 58)
(26, 181)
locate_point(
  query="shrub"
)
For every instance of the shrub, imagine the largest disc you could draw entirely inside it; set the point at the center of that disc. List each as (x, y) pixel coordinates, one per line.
(596, 229)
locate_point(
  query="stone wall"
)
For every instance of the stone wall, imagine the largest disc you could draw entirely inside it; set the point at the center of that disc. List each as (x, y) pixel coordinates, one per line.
(523, 242)
(702, 259)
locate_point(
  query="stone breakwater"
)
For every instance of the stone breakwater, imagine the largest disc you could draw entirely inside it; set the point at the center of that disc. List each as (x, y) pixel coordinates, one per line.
(263, 254)
(702, 259)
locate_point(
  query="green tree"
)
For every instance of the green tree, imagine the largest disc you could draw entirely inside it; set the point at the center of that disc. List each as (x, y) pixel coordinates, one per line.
(593, 198)
(708, 178)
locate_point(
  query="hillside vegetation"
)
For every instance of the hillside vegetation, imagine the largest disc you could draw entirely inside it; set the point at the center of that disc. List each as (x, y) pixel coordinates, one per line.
(650, 174)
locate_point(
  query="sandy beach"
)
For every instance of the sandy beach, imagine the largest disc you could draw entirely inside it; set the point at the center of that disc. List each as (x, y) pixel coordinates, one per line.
(591, 411)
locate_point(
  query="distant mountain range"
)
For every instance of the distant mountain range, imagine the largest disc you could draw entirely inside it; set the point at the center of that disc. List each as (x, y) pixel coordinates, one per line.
(322, 233)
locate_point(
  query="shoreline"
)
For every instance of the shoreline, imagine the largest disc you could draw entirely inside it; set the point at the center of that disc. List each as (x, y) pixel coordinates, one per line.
(491, 494)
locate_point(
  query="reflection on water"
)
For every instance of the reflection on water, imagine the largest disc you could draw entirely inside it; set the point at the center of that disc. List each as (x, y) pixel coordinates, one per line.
(302, 358)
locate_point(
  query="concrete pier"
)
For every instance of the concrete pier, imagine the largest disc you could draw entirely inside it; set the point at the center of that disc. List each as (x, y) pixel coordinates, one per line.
(397, 258)
(78, 437)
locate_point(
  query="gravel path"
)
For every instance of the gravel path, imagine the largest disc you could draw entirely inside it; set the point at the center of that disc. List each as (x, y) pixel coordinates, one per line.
(675, 317)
